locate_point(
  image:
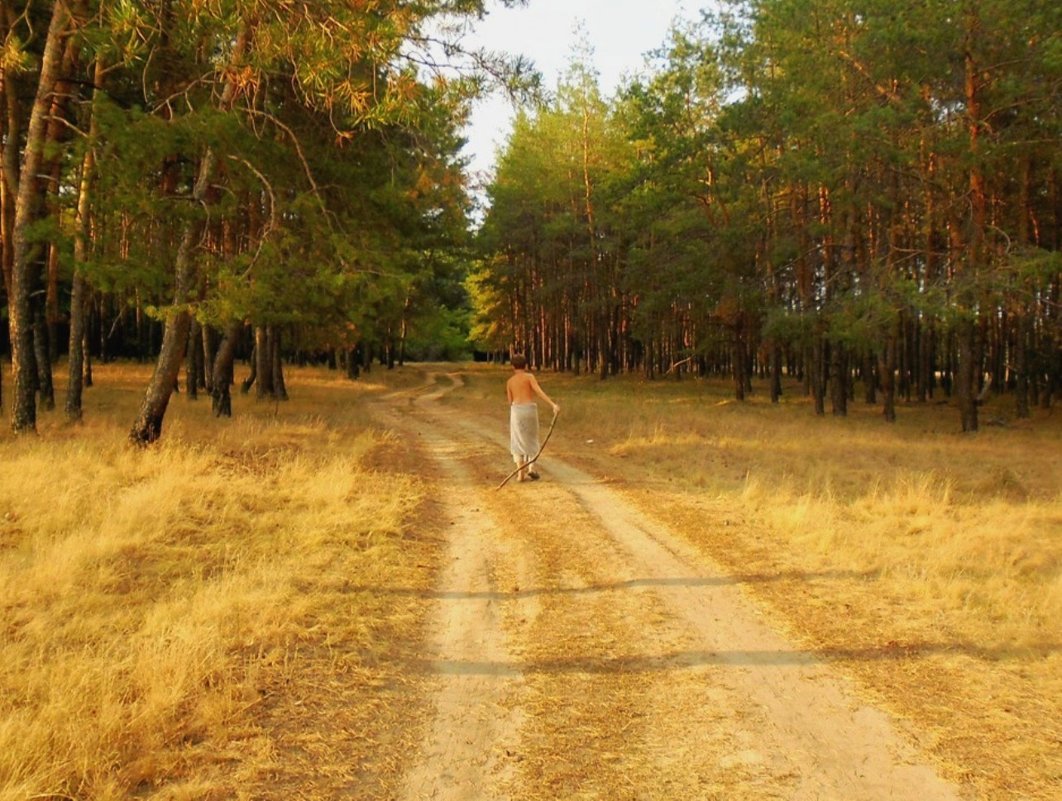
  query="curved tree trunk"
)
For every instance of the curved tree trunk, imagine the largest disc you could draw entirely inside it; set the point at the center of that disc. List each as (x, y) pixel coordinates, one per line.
(221, 372)
(247, 383)
(147, 427)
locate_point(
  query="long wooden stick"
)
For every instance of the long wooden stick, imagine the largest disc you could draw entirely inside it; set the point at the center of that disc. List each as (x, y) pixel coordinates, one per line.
(541, 448)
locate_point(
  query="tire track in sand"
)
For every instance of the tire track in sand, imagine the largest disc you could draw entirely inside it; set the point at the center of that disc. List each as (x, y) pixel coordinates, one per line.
(795, 720)
(476, 719)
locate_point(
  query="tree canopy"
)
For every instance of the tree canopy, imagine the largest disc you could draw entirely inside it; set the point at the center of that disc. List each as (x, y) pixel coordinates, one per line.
(218, 167)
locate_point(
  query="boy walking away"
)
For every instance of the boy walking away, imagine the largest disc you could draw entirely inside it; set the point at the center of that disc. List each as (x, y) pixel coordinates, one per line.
(521, 389)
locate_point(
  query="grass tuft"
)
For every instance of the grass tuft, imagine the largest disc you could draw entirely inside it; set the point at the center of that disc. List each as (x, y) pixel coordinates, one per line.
(150, 599)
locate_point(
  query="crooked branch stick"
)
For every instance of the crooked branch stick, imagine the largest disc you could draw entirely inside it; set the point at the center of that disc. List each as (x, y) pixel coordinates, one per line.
(534, 459)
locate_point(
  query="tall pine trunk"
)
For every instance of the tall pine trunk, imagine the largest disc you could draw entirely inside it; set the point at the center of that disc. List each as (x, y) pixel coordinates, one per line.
(817, 373)
(194, 363)
(9, 166)
(279, 388)
(42, 352)
(776, 372)
(25, 256)
(263, 359)
(968, 365)
(887, 370)
(77, 349)
(839, 379)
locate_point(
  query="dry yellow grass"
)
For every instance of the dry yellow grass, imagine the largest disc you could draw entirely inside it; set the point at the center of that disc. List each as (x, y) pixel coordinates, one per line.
(177, 623)
(157, 605)
(925, 562)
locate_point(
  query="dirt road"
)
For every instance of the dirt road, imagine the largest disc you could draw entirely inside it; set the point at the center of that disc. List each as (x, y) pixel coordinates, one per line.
(581, 650)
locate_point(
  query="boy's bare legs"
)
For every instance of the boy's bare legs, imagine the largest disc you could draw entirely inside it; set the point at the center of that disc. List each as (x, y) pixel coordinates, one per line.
(526, 469)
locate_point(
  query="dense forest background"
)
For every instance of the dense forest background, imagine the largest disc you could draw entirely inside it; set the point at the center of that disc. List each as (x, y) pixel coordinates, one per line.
(857, 194)
(861, 193)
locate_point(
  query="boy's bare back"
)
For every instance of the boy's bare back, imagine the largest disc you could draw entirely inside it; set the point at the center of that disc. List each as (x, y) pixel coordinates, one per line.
(522, 387)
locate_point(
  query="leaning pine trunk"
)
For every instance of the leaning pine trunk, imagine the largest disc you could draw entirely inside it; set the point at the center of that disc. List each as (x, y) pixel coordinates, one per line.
(247, 383)
(148, 425)
(207, 358)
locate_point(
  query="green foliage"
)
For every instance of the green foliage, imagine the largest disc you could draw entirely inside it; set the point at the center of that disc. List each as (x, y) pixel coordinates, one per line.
(337, 204)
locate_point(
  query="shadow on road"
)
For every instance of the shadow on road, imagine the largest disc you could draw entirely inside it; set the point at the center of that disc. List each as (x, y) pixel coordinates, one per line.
(685, 660)
(630, 584)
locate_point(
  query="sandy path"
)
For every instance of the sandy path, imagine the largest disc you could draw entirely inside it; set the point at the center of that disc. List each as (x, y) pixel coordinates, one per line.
(581, 650)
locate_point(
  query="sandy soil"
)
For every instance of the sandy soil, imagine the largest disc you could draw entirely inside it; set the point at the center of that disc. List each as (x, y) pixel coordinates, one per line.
(579, 649)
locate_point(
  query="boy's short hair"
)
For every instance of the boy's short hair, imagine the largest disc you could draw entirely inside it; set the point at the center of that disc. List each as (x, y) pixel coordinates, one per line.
(519, 361)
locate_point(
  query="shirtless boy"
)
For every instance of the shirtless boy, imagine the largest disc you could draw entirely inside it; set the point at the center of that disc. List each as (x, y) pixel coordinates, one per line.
(521, 389)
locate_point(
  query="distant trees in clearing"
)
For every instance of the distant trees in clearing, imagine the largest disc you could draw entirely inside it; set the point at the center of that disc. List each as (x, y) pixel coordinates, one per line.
(858, 195)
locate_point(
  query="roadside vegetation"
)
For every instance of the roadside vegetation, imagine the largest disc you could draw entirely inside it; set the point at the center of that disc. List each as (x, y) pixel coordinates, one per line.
(175, 620)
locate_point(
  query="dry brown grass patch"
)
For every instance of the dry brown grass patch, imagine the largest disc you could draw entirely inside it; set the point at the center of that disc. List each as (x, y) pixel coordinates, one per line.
(159, 606)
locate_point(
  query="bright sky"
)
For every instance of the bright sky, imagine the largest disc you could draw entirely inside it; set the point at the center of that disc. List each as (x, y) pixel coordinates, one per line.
(620, 32)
